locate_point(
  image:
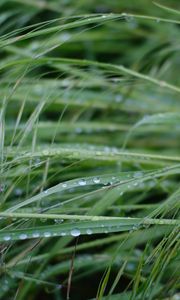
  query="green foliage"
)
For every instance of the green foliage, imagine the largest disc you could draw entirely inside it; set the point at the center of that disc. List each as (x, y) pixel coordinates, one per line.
(89, 150)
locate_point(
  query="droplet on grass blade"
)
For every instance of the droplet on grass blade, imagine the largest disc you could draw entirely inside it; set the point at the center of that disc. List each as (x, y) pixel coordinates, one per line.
(89, 231)
(75, 232)
(82, 182)
(64, 185)
(118, 98)
(47, 234)
(35, 235)
(7, 238)
(58, 221)
(138, 174)
(63, 234)
(18, 192)
(96, 180)
(65, 37)
(23, 236)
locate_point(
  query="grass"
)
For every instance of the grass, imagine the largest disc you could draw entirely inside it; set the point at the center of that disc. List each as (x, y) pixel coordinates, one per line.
(89, 150)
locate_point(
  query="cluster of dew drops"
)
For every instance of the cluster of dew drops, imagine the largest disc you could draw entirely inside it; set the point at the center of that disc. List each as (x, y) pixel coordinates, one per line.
(75, 232)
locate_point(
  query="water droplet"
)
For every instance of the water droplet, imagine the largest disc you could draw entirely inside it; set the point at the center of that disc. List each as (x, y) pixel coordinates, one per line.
(157, 20)
(89, 231)
(23, 236)
(82, 182)
(35, 235)
(130, 267)
(138, 174)
(47, 234)
(124, 15)
(46, 192)
(107, 149)
(75, 232)
(66, 82)
(45, 152)
(63, 233)
(7, 238)
(18, 192)
(78, 130)
(118, 98)
(64, 185)
(96, 180)
(58, 221)
(65, 37)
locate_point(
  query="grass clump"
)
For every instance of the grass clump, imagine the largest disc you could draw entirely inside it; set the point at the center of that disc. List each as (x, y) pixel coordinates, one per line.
(89, 150)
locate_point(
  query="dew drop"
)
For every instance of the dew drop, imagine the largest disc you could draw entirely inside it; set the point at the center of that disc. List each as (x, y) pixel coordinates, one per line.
(78, 130)
(107, 184)
(64, 185)
(45, 152)
(65, 37)
(96, 180)
(23, 236)
(7, 238)
(89, 231)
(138, 174)
(82, 182)
(18, 192)
(75, 232)
(58, 221)
(63, 233)
(107, 149)
(47, 234)
(35, 235)
(118, 98)
(124, 15)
